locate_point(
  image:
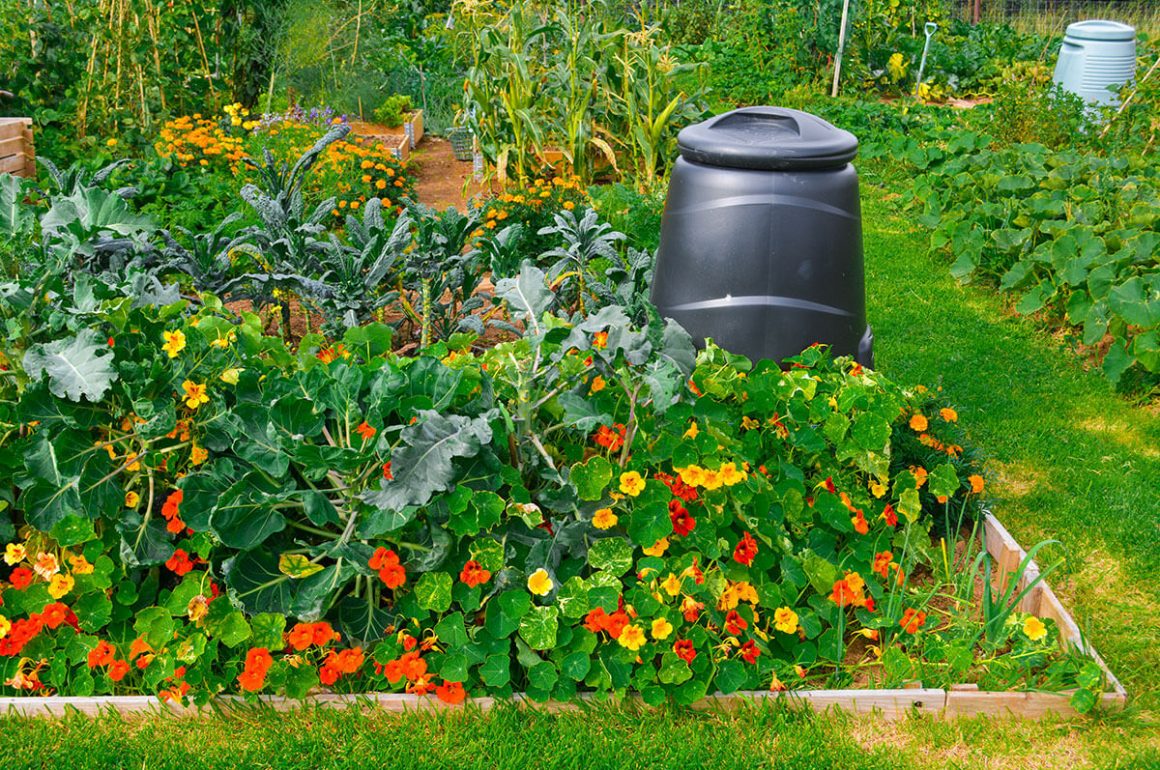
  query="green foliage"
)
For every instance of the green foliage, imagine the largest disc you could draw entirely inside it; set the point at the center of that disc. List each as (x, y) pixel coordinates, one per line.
(393, 110)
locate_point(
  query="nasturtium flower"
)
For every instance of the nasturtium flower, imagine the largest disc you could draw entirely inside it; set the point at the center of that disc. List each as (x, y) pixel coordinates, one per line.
(5, 626)
(712, 480)
(691, 609)
(198, 455)
(684, 649)
(693, 475)
(46, 564)
(889, 514)
(912, 620)
(60, 585)
(174, 342)
(365, 430)
(14, 553)
(21, 578)
(671, 585)
(746, 550)
(658, 548)
(735, 624)
(451, 692)
(1034, 628)
(749, 651)
(604, 518)
(682, 521)
(195, 394)
(692, 430)
(631, 637)
(918, 422)
(920, 476)
(258, 663)
(785, 620)
(180, 563)
(882, 562)
(976, 483)
(132, 499)
(598, 384)
(473, 574)
(101, 655)
(631, 483)
(230, 376)
(661, 629)
(80, 565)
(390, 570)
(731, 475)
(877, 488)
(540, 583)
(600, 340)
(118, 669)
(861, 526)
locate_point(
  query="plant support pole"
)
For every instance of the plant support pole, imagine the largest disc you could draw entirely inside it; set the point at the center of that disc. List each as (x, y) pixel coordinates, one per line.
(841, 46)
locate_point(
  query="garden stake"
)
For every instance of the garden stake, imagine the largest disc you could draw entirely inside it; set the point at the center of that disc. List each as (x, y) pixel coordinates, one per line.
(930, 28)
(841, 45)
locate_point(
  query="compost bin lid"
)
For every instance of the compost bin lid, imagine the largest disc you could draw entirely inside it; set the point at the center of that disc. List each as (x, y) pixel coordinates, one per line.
(767, 138)
(1100, 29)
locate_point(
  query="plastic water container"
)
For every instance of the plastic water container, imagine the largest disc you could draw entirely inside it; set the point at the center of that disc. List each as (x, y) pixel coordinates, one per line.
(761, 240)
(1097, 56)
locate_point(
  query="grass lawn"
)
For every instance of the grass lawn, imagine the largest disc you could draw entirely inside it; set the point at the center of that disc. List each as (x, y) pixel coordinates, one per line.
(1068, 460)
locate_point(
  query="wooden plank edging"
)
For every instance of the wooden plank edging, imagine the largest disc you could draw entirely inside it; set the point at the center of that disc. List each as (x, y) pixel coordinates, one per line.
(958, 700)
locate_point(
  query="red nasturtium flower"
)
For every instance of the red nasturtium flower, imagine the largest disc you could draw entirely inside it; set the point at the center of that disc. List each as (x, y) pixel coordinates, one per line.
(746, 550)
(474, 574)
(21, 578)
(890, 516)
(735, 624)
(683, 649)
(598, 620)
(179, 562)
(171, 511)
(391, 572)
(451, 692)
(691, 609)
(749, 651)
(22, 632)
(253, 676)
(55, 614)
(118, 669)
(612, 438)
(387, 474)
(912, 620)
(683, 521)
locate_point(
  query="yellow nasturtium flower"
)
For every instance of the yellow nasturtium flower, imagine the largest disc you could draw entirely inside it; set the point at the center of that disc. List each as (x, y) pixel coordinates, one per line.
(14, 553)
(631, 483)
(632, 637)
(195, 394)
(132, 499)
(604, 518)
(60, 585)
(1034, 628)
(785, 620)
(174, 342)
(658, 548)
(540, 583)
(661, 629)
(671, 585)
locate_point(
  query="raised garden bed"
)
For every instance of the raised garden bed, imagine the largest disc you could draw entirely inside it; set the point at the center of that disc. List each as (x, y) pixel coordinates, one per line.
(958, 700)
(400, 140)
(17, 153)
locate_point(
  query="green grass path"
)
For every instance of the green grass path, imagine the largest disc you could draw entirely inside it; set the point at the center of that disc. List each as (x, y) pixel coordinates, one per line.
(1068, 459)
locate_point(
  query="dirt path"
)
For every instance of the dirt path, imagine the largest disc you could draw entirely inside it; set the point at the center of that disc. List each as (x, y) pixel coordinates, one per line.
(442, 180)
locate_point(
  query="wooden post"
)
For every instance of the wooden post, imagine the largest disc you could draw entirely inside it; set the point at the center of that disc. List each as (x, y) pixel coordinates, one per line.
(17, 155)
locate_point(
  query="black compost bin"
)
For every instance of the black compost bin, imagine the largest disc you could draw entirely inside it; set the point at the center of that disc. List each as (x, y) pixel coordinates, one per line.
(761, 242)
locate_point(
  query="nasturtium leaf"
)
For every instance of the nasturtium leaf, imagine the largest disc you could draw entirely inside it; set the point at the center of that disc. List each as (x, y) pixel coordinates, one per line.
(943, 481)
(1083, 700)
(227, 625)
(591, 477)
(155, 624)
(576, 665)
(488, 552)
(543, 676)
(300, 680)
(731, 676)
(267, 630)
(94, 611)
(539, 626)
(909, 504)
(819, 571)
(573, 598)
(613, 554)
(481, 512)
(495, 671)
(896, 666)
(296, 565)
(648, 523)
(673, 669)
(453, 667)
(433, 591)
(505, 611)
(451, 631)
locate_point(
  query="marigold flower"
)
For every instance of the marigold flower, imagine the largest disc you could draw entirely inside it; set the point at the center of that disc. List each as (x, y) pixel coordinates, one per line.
(604, 518)
(948, 414)
(1034, 628)
(684, 649)
(631, 483)
(631, 637)
(540, 583)
(174, 342)
(474, 574)
(746, 550)
(976, 483)
(785, 620)
(912, 620)
(918, 422)
(661, 629)
(60, 585)
(195, 394)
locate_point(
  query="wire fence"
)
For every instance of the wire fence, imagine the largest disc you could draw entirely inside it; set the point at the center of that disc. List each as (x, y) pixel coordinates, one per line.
(1051, 17)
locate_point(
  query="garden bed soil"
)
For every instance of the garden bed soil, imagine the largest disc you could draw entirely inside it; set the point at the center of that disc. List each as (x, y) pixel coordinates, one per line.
(957, 700)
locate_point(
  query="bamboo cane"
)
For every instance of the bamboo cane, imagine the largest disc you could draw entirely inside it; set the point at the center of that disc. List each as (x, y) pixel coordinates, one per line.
(841, 46)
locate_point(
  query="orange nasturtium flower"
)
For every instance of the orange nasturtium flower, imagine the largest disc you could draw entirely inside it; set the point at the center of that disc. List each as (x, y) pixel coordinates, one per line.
(976, 483)
(912, 620)
(365, 430)
(195, 394)
(451, 692)
(390, 570)
(604, 518)
(473, 574)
